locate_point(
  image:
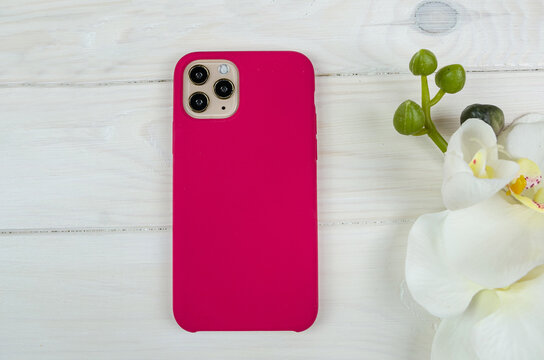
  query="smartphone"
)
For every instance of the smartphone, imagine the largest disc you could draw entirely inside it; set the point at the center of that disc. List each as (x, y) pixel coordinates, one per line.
(245, 193)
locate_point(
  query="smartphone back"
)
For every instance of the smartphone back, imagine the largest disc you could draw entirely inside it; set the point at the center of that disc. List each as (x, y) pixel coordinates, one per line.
(245, 209)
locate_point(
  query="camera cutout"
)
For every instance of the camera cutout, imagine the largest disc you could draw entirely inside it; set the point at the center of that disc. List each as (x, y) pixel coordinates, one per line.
(223, 88)
(199, 74)
(198, 102)
(210, 89)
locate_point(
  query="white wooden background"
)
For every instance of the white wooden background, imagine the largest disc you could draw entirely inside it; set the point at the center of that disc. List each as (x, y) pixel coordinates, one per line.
(86, 166)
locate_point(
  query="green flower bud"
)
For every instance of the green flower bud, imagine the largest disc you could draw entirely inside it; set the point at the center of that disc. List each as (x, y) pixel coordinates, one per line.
(451, 78)
(409, 118)
(490, 114)
(423, 63)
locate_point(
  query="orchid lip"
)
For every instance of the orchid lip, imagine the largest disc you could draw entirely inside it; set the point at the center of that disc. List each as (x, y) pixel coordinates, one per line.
(527, 187)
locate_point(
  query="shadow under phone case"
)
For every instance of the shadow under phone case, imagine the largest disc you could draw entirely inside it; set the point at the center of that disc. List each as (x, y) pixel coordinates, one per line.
(245, 208)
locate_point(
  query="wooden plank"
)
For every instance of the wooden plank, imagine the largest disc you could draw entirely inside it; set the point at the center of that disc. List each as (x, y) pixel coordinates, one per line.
(100, 156)
(108, 296)
(86, 157)
(97, 41)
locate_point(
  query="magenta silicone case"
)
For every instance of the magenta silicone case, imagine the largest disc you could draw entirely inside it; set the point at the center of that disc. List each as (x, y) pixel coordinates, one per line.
(245, 212)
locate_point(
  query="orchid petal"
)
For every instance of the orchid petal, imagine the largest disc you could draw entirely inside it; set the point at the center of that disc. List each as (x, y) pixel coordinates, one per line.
(494, 243)
(473, 135)
(453, 339)
(516, 330)
(432, 283)
(524, 138)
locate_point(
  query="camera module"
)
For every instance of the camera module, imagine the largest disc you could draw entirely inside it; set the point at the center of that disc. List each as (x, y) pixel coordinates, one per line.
(199, 74)
(198, 102)
(223, 88)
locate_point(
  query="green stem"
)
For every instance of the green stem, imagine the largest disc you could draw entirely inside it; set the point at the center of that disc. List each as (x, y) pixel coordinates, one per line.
(437, 97)
(429, 125)
(421, 132)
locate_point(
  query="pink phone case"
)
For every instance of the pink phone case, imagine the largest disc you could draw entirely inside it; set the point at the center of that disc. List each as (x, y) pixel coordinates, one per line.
(245, 208)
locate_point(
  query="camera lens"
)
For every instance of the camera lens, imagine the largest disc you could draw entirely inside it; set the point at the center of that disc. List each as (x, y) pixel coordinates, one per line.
(223, 88)
(198, 102)
(198, 74)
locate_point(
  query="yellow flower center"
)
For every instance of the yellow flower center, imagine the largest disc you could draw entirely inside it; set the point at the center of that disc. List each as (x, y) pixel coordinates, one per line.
(517, 186)
(527, 188)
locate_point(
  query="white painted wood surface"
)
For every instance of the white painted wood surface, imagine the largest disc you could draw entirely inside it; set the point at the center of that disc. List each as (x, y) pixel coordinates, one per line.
(85, 213)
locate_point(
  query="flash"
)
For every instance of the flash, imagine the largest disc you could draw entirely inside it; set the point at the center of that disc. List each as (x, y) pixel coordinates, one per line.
(223, 68)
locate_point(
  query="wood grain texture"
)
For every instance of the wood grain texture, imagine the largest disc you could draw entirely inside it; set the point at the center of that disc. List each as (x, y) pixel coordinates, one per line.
(103, 41)
(100, 156)
(108, 296)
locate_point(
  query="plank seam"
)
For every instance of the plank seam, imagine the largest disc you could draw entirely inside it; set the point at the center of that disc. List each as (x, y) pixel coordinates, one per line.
(166, 228)
(369, 222)
(94, 84)
(151, 228)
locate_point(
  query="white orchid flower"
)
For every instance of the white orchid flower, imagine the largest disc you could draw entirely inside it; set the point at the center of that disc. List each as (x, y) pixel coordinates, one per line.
(473, 171)
(481, 267)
